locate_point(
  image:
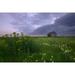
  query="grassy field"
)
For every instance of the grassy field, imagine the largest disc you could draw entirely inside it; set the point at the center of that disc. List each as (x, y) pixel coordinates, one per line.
(37, 49)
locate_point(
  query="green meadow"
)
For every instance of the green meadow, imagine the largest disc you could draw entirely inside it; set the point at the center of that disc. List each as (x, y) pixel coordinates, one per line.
(37, 49)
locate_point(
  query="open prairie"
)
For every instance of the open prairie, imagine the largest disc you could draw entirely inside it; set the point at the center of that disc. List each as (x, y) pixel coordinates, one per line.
(37, 49)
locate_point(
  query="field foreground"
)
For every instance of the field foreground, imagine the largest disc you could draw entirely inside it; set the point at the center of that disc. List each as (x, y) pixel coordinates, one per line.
(37, 49)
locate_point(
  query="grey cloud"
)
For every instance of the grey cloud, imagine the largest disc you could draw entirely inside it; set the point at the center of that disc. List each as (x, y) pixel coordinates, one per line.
(5, 24)
(68, 19)
(26, 22)
(65, 25)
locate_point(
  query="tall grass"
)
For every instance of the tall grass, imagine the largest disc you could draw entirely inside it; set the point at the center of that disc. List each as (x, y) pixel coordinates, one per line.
(41, 49)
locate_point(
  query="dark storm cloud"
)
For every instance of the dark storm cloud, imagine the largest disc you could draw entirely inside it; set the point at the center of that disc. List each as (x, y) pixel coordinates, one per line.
(64, 25)
(33, 19)
(45, 18)
(41, 17)
(26, 22)
(68, 23)
(68, 20)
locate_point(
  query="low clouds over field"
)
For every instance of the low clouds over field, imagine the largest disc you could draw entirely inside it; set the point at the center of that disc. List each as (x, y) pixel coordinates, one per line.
(26, 22)
(63, 23)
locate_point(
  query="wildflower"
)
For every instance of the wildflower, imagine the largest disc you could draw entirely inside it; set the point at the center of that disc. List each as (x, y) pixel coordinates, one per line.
(46, 44)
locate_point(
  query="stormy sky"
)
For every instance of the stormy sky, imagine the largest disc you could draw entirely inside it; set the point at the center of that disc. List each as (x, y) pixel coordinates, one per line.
(25, 22)
(28, 22)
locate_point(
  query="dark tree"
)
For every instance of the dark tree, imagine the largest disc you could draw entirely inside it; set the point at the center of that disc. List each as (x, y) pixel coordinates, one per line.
(14, 34)
(53, 33)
